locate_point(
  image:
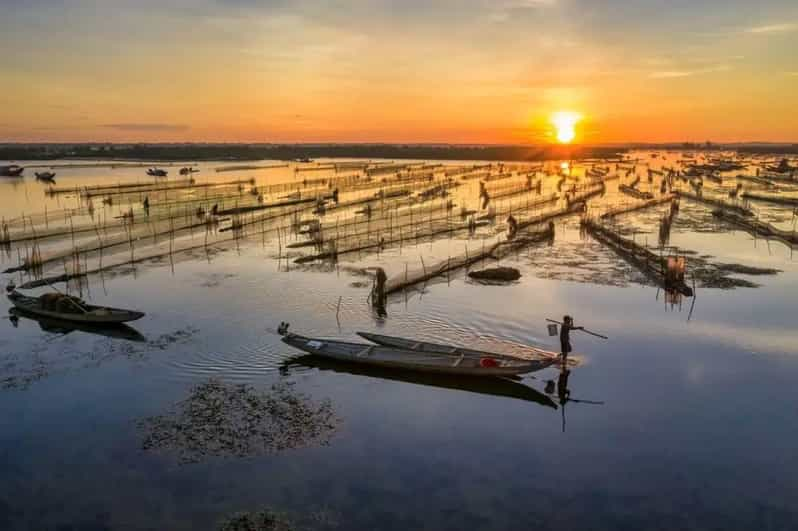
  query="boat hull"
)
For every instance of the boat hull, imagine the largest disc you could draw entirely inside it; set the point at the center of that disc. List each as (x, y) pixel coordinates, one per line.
(97, 315)
(394, 358)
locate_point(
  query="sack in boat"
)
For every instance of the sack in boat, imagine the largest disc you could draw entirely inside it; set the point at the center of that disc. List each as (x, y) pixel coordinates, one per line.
(48, 301)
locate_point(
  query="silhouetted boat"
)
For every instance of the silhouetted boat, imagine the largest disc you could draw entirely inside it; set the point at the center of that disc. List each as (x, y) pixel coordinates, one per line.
(156, 172)
(783, 167)
(45, 176)
(188, 170)
(60, 326)
(11, 171)
(77, 311)
(466, 363)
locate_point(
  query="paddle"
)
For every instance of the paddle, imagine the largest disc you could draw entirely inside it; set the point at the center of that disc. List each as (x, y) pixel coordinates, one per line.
(583, 329)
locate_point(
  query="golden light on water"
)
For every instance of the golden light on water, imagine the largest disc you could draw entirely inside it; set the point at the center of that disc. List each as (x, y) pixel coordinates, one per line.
(564, 123)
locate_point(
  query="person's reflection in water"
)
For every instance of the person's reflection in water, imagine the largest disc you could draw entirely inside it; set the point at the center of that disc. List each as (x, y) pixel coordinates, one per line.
(563, 393)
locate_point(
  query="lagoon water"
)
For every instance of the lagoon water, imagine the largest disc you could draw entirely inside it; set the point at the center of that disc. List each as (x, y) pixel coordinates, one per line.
(686, 418)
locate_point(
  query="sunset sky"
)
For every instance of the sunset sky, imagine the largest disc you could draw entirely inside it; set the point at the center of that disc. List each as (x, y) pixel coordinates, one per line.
(460, 71)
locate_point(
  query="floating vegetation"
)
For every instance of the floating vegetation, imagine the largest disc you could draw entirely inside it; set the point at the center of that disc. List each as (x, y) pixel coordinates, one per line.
(265, 520)
(225, 420)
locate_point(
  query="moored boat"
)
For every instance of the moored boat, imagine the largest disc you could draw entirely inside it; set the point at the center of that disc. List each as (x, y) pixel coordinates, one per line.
(71, 309)
(463, 363)
(11, 171)
(48, 176)
(157, 172)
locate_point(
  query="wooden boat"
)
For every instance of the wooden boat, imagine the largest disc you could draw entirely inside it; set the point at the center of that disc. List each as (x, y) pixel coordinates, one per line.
(45, 176)
(80, 312)
(155, 172)
(11, 171)
(423, 346)
(486, 364)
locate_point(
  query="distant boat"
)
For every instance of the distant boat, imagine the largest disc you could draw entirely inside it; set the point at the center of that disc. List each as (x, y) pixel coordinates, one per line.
(188, 170)
(48, 176)
(11, 171)
(155, 172)
(305, 160)
(783, 167)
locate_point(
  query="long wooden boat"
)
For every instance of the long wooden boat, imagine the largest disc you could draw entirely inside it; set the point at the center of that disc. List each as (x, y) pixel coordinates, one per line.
(451, 350)
(81, 312)
(397, 358)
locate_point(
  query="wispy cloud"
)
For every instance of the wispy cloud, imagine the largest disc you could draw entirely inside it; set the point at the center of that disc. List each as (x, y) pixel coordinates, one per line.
(773, 28)
(668, 74)
(672, 74)
(146, 127)
(502, 10)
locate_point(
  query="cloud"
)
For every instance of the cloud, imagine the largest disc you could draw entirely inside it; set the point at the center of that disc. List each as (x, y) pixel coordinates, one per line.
(669, 74)
(672, 74)
(773, 28)
(146, 127)
(502, 10)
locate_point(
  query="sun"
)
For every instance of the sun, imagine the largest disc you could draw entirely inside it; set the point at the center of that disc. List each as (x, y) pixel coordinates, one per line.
(565, 124)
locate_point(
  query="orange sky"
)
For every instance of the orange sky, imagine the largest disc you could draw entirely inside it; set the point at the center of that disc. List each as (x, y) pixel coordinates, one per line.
(470, 71)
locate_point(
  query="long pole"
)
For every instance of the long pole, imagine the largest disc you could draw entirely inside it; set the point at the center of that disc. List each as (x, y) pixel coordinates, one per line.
(584, 329)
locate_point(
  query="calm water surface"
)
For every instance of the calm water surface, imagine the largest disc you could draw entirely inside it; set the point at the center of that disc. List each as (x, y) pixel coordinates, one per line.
(694, 426)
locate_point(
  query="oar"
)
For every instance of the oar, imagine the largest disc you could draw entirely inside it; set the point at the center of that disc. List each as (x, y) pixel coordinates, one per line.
(583, 330)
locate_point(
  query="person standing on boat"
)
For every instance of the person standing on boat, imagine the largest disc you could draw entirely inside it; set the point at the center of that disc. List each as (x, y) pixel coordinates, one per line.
(565, 336)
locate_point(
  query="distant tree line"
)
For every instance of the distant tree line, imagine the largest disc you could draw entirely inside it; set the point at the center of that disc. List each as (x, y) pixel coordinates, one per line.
(196, 152)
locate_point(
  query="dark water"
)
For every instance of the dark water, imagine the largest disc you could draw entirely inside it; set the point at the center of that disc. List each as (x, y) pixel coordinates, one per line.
(694, 429)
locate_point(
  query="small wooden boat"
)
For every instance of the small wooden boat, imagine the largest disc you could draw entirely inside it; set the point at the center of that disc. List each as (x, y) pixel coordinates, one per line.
(11, 171)
(452, 362)
(188, 170)
(73, 310)
(45, 176)
(155, 172)
(548, 357)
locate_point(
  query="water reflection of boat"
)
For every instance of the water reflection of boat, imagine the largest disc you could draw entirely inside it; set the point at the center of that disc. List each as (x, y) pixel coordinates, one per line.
(501, 387)
(59, 326)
